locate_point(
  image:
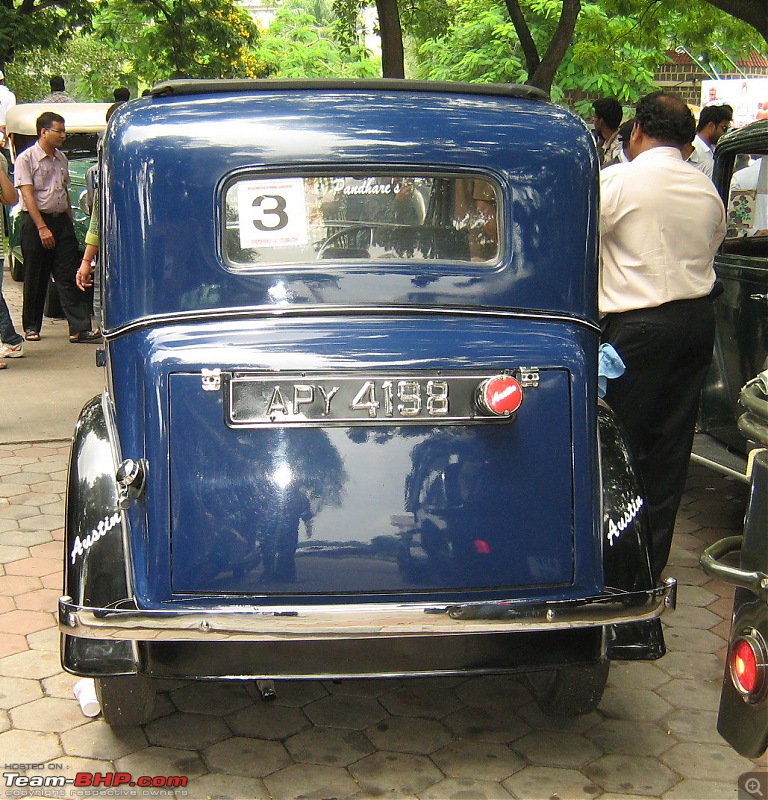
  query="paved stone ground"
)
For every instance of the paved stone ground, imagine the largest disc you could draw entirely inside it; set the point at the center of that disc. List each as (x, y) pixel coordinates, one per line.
(653, 736)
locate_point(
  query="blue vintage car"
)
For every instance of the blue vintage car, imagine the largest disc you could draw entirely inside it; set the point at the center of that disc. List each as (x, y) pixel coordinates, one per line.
(351, 425)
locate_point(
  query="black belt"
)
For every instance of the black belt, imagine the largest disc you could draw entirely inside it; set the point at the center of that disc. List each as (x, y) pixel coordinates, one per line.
(53, 214)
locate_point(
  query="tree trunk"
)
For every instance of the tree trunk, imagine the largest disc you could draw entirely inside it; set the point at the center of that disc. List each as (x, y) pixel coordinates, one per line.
(541, 71)
(392, 59)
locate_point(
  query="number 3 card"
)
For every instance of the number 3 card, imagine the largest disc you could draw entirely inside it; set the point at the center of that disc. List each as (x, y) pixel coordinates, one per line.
(272, 212)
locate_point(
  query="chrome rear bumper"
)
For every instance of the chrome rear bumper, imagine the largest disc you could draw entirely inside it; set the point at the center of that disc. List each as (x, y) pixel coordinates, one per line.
(372, 620)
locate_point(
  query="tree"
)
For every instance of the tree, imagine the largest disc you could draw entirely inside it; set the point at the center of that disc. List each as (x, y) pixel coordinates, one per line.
(298, 45)
(182, 38)
(392, 57)
(26, 25)
(753, 12)
(92, 68)
(542, 69)
(617, 44)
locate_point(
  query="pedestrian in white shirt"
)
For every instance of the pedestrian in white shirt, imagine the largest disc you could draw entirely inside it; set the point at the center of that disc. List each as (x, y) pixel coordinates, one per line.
(661, 222)
(714, 121)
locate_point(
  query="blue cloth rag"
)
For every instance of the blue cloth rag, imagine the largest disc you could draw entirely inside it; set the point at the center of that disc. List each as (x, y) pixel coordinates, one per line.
(609, 365)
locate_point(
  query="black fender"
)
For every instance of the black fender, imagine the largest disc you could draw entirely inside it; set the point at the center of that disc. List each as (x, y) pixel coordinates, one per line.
(625, 540)
(625, 545)
(96, 549)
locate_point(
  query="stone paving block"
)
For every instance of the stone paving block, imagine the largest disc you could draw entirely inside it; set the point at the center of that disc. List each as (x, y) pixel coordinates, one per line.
(52, 581)
(44, 640)
(629, 738)
(345, 711)
(480, 761)
(637, 675)
(690, 640)
(484, 724)
(9, 553)
(30, 747)
(465, 789)
(556, 749)
(48, 714)
(11, 585)
(11, 643)
(96, 739)
(18, 512)
(26, 539)
(713, 762)
(35, 567)
(38, 600)
(262, 720)
(692, 694)
(698, 666)
(6, 604)
(384, 771)
(30, 664)
(421, 701)
(550, 782)
(330, 746)
(187, 731)
(637, 704)
(24, 622)
(211, 697)
(228, 787)
(250, 757)
(409, 735)
(310, 782)
(702, 790)
(18, 691)
(162, 761)
(48, 550)
(688, 576)
(693, 725)
(5, 721)
(38, 522)
(537, 719)
(693, 617)
(631, 775)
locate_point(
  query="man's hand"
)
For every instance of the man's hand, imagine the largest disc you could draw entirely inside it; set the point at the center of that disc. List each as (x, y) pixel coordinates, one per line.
(46, 237)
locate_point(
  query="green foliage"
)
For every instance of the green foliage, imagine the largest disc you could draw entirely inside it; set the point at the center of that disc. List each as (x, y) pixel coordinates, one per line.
(91, 70)
(297, 46)
(618, 44)
(182, 38)
(27, 26)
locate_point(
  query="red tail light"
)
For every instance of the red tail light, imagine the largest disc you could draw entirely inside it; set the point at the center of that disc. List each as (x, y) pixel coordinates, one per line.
(747, 663)
(500, 396)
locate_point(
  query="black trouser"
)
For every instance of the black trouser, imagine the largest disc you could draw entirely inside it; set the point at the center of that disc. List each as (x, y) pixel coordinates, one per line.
(61, 262)
(667, 352)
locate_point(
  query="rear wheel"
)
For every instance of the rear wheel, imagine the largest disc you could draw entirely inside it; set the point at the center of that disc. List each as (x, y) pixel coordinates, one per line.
(570, 691)
(14, 266)
(125, 699)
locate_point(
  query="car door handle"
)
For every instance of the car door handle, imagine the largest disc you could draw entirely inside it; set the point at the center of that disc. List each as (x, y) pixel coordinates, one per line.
(760, 297)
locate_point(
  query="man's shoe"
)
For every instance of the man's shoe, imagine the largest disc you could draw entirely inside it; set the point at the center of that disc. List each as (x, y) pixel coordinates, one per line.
(12, 350)
(86, 337)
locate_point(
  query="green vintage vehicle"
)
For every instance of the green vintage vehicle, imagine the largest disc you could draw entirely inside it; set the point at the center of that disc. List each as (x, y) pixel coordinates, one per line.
(741, 343)
(85, 122)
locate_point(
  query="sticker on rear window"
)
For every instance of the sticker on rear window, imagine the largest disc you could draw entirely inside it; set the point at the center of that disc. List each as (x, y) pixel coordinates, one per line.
(272, 213)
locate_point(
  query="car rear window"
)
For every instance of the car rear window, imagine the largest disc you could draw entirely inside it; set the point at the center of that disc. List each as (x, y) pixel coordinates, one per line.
(283, 220)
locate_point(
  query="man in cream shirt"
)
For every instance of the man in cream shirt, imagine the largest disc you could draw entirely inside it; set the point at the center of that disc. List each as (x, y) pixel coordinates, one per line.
(661, 222)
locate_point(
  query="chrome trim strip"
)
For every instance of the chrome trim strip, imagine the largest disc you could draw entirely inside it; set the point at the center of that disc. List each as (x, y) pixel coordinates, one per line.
(337, 310)
(363, 621)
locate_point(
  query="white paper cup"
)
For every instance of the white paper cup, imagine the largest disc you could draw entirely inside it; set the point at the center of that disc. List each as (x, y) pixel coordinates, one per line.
(85, 692)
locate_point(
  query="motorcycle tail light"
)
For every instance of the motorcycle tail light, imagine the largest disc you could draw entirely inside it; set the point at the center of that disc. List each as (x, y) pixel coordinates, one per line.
(747, 663)
(499, 396)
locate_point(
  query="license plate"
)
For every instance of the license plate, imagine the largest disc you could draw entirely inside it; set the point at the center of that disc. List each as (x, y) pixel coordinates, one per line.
(255, 401)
